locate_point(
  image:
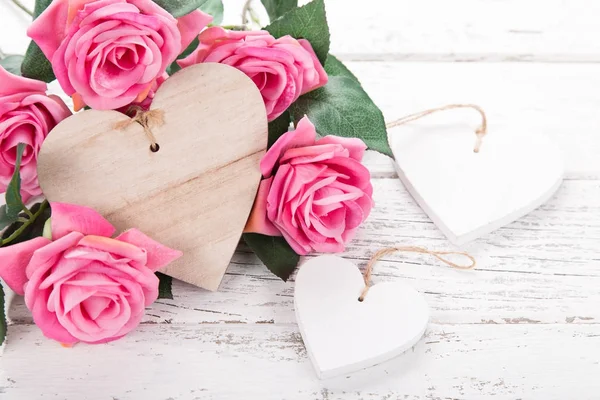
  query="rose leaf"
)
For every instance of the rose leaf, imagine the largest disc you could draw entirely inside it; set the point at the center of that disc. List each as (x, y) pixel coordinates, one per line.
(165, 286)
(343, 108)
(14, 201)
(274, 252)
(307, 22)
(179, 8)
(35, 64)
(277, 8)
(174, 67)
(214, 8)
(12, 64)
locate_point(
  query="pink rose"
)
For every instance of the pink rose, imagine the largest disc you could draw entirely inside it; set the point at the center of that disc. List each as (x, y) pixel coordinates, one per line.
(283, 69)
(27, 115)
(108, 53)
(316, 192)
(83, 285)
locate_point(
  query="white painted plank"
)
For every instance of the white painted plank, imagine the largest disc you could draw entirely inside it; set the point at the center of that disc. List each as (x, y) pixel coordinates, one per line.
(543, 268)
(428, 30)
(466, 30)
(558, 100)
(161, 362)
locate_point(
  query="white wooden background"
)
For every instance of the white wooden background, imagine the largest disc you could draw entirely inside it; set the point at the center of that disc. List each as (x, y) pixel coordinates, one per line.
(525, 325)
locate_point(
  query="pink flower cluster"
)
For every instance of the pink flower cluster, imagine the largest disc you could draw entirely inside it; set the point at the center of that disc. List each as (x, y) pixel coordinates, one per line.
(283, 69)
(316, 192)
(83, 285)
(27, 115)
(109, 53)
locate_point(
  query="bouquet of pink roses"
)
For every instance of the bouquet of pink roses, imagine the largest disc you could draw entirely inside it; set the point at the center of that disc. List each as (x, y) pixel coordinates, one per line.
(79, 282)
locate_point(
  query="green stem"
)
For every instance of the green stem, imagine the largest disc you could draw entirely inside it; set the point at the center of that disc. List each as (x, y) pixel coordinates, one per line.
(235, 27)
(22, 7)
(245, 11)
(31, 220)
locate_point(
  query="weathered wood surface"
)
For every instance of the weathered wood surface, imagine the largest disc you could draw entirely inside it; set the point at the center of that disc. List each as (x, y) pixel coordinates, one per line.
(524, 325)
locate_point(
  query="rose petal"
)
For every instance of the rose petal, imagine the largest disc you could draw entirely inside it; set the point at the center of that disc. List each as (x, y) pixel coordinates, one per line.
(14, 260)
(258, 221)
(191, 25)
(67, 218)
(355, 146)
(303, 135)
(159, 255)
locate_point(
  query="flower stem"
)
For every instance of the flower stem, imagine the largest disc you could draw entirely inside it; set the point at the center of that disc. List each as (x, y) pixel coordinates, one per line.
(245, 11)
(22, 7)
(22, 228)
(2, 55)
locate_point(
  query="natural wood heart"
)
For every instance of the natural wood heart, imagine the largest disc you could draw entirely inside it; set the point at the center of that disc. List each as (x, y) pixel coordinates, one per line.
(195, 193)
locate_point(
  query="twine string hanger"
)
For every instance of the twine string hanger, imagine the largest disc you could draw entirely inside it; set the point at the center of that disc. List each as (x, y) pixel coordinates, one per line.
(440, 255)
(147, 119)
(480, 132)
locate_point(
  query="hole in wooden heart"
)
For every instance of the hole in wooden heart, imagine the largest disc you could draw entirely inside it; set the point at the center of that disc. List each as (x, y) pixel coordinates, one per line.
(154, 147)
(361, 299)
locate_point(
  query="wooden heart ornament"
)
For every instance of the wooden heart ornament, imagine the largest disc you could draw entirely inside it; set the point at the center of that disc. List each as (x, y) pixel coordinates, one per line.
(195, 193)
(343, 334)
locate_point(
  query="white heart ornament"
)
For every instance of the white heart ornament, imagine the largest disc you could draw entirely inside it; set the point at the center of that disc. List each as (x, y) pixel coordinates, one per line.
(195, 193)
(342, 334)
(468, 194)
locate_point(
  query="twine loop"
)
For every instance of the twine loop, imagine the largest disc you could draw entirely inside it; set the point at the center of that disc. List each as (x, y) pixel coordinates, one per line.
(413, 249)
(480, 132)
(147, 119)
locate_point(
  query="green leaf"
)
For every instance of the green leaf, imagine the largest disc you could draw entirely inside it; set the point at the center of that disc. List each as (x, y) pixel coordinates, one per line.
(164, 286)
(14, 201)
(335, 67)
(214, 8)
(179, 8)
(33, 230)
(35, 64)
(343, 108)
(12, 64)
(174, 67)
(40, 7)
(276, 8)
(308, 22)
(3, 322)
(4, 219)
(274, 252)
(278, 127)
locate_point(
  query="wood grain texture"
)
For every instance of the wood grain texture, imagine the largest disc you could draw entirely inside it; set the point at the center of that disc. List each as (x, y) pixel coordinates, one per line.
(195, 193)
(268, 362)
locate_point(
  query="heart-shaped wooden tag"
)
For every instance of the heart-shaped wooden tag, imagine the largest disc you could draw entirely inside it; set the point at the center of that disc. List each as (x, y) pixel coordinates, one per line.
(343, 334)
(195, 193)
(468, 194)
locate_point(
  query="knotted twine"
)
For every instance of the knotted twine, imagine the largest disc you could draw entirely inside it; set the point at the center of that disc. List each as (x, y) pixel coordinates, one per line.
(147, 119)
(413, 249)
(480, 132)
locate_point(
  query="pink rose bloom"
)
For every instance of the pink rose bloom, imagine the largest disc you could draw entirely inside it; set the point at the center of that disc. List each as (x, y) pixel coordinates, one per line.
(145, 104)
(316, 192)
(108, 53)
(27, 115)
(83, 285)
(283, 69)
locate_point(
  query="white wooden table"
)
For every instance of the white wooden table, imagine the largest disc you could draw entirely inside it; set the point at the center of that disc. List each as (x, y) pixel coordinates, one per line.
(525, 325)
